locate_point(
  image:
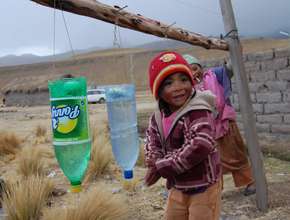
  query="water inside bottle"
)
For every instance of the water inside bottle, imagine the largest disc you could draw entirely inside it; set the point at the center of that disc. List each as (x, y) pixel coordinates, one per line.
(73, 160)
(124, 134)
(125, 148)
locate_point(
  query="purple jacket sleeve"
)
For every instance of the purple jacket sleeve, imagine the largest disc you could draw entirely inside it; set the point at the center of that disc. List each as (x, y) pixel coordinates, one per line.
(198, 144)
(153, 152)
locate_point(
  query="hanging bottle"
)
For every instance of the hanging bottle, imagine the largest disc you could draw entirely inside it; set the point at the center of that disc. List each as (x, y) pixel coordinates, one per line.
(121, 108)
(70, 128)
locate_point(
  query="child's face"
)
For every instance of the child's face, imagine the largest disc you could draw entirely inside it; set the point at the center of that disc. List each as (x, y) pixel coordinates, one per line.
(196, 72)
(175, 90)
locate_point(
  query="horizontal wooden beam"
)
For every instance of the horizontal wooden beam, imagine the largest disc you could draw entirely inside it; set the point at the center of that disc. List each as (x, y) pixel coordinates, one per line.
(137, 22)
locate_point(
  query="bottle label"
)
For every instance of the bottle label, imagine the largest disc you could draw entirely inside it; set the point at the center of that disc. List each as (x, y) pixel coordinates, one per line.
(69, 119)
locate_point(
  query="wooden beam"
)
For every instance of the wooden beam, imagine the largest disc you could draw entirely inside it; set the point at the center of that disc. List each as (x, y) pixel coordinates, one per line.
(245, 105)
(122, 18)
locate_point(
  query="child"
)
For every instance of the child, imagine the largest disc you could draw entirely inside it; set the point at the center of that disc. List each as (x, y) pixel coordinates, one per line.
(232, 148)
(180, 145)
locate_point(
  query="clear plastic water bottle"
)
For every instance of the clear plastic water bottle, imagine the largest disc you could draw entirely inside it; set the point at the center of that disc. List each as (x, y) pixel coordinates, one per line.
(70, 128)
(121, 108)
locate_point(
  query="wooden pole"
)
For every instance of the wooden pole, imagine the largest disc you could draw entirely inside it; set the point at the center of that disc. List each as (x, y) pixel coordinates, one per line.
(118, 16)
(245, 104)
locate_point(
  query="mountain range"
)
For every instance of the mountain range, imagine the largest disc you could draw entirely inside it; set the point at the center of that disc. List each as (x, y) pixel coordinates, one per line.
(13, 60)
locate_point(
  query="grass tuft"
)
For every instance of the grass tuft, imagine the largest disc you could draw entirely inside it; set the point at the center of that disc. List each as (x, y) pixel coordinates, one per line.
(41, 135)
(141, 157)
(130, 185)
(97, 204)
(24, 200)
(101, 154)
(280, 150)
(30, 162)
(40, 131)
(9, 143)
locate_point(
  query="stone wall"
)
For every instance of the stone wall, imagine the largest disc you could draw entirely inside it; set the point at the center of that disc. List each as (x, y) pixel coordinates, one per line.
(18, 98)
(268, 74)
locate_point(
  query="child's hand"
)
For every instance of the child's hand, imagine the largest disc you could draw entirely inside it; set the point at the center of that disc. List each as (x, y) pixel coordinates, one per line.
(152, 176)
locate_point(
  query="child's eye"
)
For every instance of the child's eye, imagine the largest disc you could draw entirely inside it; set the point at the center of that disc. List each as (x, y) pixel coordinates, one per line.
(167, 82)
(184, 79)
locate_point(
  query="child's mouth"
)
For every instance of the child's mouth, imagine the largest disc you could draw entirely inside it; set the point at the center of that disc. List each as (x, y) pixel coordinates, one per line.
(179, 97)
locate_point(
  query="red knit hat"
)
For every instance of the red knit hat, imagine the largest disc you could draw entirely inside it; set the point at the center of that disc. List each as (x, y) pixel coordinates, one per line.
(165, 64)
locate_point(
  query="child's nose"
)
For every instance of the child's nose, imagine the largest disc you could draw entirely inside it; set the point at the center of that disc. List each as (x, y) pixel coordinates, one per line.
(177, 85)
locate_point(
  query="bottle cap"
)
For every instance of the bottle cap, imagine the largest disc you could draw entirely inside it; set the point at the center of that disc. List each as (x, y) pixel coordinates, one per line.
(128, 174)
(75, 188)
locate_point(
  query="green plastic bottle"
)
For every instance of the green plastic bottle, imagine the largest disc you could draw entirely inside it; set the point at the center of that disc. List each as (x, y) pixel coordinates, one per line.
(70, 127)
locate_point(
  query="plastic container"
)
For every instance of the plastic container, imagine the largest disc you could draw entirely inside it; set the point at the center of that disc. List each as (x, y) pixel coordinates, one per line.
(70, 128)
(121, 108)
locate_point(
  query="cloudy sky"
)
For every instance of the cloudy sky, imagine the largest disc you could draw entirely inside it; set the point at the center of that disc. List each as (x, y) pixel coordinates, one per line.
(27, 27)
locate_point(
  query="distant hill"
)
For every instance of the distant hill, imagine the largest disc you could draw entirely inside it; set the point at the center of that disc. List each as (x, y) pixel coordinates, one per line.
(162, 45)
(11, 60)
(14, 60)
(112, 66)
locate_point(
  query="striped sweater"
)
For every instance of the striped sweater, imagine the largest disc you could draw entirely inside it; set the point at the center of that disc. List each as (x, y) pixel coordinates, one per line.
(188, 157)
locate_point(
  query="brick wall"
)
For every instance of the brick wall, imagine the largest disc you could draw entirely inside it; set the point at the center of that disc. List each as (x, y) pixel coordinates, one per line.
(268, 75)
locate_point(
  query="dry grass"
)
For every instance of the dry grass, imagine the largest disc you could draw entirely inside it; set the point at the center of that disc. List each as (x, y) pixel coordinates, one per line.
(24, 200)
(101, 129)
(40, 135)
(9, 143)
(96, 204)
(40, 131)
(30, 162)
(130, 185)
(101, 154)
(278, 149)
(141, 157)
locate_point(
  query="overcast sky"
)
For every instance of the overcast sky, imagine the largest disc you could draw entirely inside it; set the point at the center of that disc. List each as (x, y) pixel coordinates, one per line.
(27, 27)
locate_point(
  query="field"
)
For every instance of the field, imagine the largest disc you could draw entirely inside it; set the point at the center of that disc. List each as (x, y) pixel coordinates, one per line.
(36, 186)
(132, 200)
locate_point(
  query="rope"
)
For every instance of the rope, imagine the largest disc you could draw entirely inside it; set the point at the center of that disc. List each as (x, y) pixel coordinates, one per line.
(67, 33)
(116, 32)
(53, 40)
(54, 33)
(115, 39)
(233, 34)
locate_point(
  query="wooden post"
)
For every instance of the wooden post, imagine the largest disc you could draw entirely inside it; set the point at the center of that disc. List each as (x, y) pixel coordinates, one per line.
(245, 104)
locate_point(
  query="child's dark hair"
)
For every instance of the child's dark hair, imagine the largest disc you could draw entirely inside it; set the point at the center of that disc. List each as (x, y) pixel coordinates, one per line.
(164, 107)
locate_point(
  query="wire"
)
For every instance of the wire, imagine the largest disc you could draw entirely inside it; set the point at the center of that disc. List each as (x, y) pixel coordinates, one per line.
(53, 40)
(115, 38)
(53, 43)
(67, 33)
(119, 35)
(116, 31)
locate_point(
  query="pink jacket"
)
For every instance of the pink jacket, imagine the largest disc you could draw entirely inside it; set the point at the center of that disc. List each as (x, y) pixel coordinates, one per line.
(224, 112)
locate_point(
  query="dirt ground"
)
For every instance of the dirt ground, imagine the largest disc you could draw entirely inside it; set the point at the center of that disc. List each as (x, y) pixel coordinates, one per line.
(149, 203)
